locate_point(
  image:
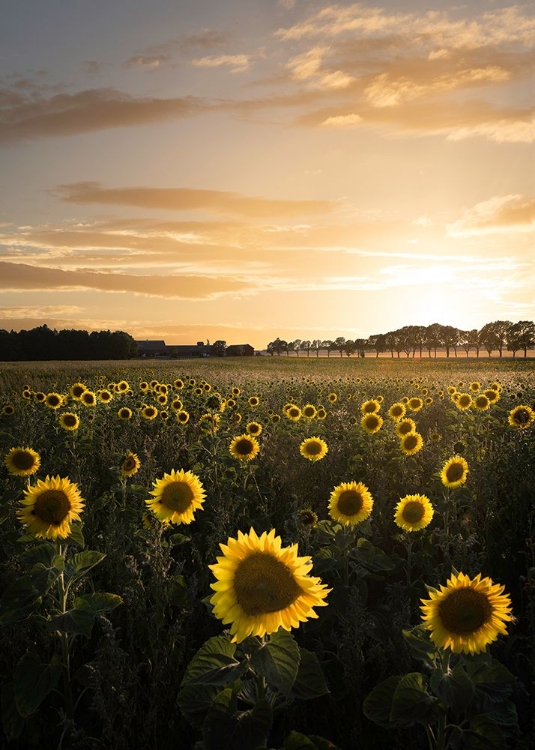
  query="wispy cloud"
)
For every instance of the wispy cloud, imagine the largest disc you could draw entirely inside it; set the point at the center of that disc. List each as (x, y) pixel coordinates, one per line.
(187, 199)
(236, 63)
(149, 62)
(503, 213)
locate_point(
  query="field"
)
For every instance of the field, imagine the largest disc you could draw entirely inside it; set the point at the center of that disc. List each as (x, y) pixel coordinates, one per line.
(115, 634)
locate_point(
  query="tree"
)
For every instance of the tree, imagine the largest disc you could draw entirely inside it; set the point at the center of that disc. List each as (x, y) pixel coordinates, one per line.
(305, 347)
(218, 348)
(433, 338)
(450, 339)
(494, 335)
(378, 342)
(327, 344)
(317, 344)
(350, 347)
(339, 344)
(521, 335)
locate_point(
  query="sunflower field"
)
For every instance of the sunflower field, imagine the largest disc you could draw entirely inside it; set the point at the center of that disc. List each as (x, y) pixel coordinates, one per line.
(277, 554)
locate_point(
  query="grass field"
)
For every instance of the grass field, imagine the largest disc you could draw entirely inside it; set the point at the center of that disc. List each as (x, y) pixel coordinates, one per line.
(114, 640)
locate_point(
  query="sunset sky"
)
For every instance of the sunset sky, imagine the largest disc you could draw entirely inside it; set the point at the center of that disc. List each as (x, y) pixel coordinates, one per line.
(247, 169)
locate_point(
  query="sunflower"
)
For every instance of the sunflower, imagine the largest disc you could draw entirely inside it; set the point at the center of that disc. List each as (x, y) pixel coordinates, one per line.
(161, 399)
(254, 401)
(254, 428)
(370, 407)
(88, 398)
(452, 389)
(307, 517)
(209, 423)
(521, 417)
(413, 512)
(481, 402)
(22, 462)
(332, 397)
(143, 386)
(39, 396)
(122, 386)
(130, 465)
(475, 387)
(176, 497)
(321, 413)
(104, 396)
(404, 426)
(149, 412)
(76, 390)
(49, 507)
(293, 412)
(244, 447)
(454, 472)
(182, 417)
(371, 422)
(275, 418)
(411, 443)
(493, 396)
(350, 503)
(179, 384)
(466, 614)
(235, 392)
(464, 401)
(124, 413)
(53, 400)
(262, 586)
(313, 448)
(415, 403)
(397, 411)
(69, 421)
(309, 411)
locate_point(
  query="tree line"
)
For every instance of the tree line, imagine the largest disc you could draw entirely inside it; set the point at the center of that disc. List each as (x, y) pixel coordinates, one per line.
(44, 343)
(499, 336)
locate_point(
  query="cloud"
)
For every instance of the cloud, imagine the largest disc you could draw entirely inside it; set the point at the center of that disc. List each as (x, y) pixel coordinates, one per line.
(92, 67)
(236, 63)
(501, 213)
(187, 199)
(342, 121)
(87, 111)
(149, 62)
(21, 277)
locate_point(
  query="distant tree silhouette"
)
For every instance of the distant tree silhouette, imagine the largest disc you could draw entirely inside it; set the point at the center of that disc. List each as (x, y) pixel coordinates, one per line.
(43, 343)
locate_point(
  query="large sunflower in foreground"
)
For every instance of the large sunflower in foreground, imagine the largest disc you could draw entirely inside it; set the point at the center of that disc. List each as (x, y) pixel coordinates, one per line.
(176, 497)
(244, 447)
(262, 586)
(466, 614)
(454, 472)
(350, 503)
(22, 462)
(50, 505)
(313, 448)
(413, 512)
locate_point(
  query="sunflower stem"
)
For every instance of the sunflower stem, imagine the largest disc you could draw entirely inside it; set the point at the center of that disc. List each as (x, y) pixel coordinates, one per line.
(64, 641)
(409, 557)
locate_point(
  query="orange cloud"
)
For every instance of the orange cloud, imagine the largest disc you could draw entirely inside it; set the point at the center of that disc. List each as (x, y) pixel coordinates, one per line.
(187, 199)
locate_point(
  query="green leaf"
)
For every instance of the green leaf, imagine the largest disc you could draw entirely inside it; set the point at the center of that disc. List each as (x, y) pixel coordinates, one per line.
(309, 682)
(177, 591)
(298, 741)
(98, 603)
(19, 600)
(378, 704)
(503, 714)
(195, 700)
(325, 560)
(278, 661)
(456, 689)
(412, 703)
(420, 646)
(213, 664)
(239, 730)
(76, 537)
(177, 539)
(12, 721)
(40, 553)
(370, 557)
(85, 560)
(78, 621)
(33, 681)
(484, 734)
(492, 680)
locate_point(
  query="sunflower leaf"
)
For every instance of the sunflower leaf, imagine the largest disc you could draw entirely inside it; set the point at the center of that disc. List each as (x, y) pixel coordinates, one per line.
(225, 729)
(412, 703)
(12, 721)
(78, 621)
(377, 705)
(420, 646)
(214, 664)
(33, 680)
(278, 661)
(310, 682)
(19, 600)
(456, 689)
(484, 734)
(40, 553)
(298, 741)
(76, 537)
(370, 557)
(85, 560)
(99, 602)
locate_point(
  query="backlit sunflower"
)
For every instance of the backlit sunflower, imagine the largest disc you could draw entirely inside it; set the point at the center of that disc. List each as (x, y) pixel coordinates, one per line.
(309, 411)
(397, 411)
(275, 418)
(254, 428)
(332, 397)
(307, 517)
(49, 507)
(88, 398)
(176, 497)
(493, 396)
(124, 413)
(454, 472)
(464, 401)
(481, 402)
(178, 383)
(475, 386)
(371, 423)
(8, 410)
(293, 412)
(182, 417)
(413, 512)
(149, 412)
(411, 443)
(22, 462)
(370, 407)
(262, 586)
(209, 423)
(69, 421)
(104, 396)
(466, 614)
(350, 503)
(76, 390)
(321, 413)
(313, 448)
(521, 417)
(130, 465)
(254, 401)
(415, 403)
(53, 400)
(404, 426)
(244, 447)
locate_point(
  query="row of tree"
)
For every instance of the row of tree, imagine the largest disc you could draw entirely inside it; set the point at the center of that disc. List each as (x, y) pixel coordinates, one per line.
(499, 336)
(44, 343)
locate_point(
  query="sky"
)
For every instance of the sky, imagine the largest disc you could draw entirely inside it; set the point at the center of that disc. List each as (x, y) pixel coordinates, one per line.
(243, 170)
